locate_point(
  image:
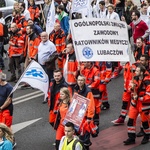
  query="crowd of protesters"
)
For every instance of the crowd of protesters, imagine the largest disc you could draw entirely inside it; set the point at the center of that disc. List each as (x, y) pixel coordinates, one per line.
(54, 51)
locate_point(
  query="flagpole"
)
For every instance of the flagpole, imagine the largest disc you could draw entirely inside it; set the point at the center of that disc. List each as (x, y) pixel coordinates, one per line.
(44, 22)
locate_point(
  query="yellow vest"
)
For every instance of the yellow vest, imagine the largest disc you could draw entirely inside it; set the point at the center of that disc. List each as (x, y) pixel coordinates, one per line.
(70, 145)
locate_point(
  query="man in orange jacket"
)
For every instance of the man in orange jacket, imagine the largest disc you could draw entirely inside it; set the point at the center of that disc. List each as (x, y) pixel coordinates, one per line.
(105, 77)
(16, 46)
(57, 36)
(92, 75)
(70, 70)
(140, 103)
(31, 45)
(53, 94)
(129, 72)
(82, 89)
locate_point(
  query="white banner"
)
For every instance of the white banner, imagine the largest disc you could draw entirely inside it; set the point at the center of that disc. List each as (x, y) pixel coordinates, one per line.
(37, 2)
(50, 18)
(98, 39)
(81, 7)
(35, 76)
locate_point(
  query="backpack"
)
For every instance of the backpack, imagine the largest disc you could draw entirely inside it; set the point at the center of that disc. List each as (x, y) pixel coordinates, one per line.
(3, 30)
(75, 142)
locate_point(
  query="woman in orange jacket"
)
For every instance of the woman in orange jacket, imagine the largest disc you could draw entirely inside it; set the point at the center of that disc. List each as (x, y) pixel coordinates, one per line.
(62, 110)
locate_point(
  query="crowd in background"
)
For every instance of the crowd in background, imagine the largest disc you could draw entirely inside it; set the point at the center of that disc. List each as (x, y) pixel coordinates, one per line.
(28, 40)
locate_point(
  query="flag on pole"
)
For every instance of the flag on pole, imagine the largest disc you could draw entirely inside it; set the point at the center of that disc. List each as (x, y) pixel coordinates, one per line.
(50, 18)
(81, 7)
(36, 77)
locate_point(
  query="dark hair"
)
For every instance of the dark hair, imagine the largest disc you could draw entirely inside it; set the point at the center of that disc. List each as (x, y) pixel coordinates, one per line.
(142, 68)
(145, 56)
(30, 20)
(137, 13)
(57, 70)
(61, 7)
(140, 38)
(23, 4)
(70, 124)
(142, 5)
(31, 27)
(102, 2)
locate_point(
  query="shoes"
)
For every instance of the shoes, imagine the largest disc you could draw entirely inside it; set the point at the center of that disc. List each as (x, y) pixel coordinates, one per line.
(141, 133)
(12, 79)
(129, 141)
(54, 144)
(145, 139)
(45, 101)
(118, 121)
(105, 106)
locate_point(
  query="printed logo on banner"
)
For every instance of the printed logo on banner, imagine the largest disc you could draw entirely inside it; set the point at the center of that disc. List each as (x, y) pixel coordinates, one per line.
(87, 52)
(78, 4)
(35, 73)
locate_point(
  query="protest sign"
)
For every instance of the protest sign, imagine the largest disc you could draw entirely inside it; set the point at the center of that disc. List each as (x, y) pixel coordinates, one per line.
(98, 39)
(77, 110)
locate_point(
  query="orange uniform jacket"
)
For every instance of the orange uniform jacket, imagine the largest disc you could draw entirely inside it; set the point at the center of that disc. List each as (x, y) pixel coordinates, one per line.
(18, 44)
(53, 97)
(92, 79)
(142, 89)
(141, 51)
(59, 39)
(72, 69)
(21, 22)
(34, 12)
(31, 46)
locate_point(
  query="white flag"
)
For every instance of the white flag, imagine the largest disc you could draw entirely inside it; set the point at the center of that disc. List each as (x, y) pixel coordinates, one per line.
(50, 18)
(35, 76)
(81, 7)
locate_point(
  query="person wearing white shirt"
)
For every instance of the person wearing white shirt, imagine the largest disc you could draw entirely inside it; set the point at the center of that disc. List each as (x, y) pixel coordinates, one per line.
(111, 14)
(24, 11)
(45, 50)
(102, 12)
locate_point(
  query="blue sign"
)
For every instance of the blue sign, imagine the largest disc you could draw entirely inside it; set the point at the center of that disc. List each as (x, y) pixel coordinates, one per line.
(36, 73)
(87, 52)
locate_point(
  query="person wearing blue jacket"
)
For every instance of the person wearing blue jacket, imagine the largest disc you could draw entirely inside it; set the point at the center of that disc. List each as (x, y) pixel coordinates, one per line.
(6, 137)
(63, 18)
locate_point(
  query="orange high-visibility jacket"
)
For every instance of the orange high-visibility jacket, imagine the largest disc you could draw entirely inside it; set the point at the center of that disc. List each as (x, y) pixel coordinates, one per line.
(92, 79)
(34, 12)
(59, 39)
(20, 21)
(31, 45)
(18, 44)
(72, 69)
(142, 89)
(105, 71)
